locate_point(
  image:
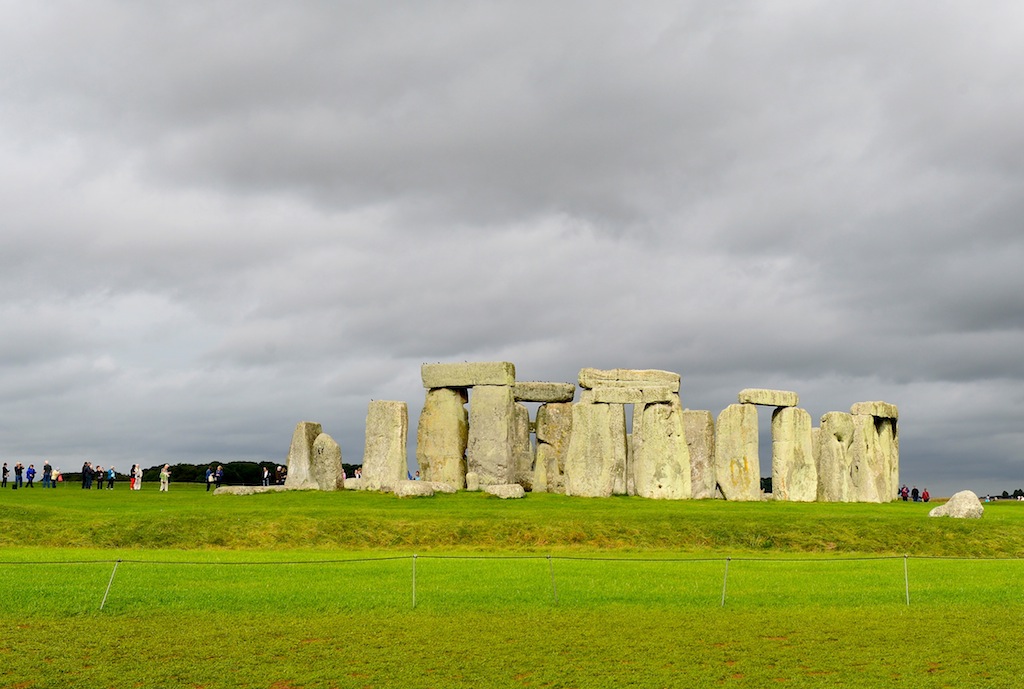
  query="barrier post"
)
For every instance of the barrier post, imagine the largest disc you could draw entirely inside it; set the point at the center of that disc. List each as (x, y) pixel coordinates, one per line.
(725, 580)
(906, 578)
(109, 584)
(414, 581)
(554, 589)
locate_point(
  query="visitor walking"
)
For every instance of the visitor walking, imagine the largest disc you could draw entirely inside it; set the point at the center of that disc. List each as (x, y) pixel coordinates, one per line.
(219, 475)
(47, 474)
(30, 475)
(266, 476)
(165, 478)
(5, 473)
(904, 492)
(138, 477)
(98, 474)
(915, 495)
(209, 478)
(19, 471)
(111, 475)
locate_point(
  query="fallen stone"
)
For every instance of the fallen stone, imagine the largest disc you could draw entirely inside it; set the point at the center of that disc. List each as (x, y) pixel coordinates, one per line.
(491, 419)
(543, 392)
(442, 487)
(590, 378)
(628, 395)
(467, 375)
(699, 429)
(506, 491)
(963, 505)
(883, 410)
(300, 454)
(794, 474)
(354, 484)
(472, 481)
(325, 464)
(247, 490)
(768, 398)
(660, 455)
(442, 436)
(384, 459)
(413, 489)
(737, 465)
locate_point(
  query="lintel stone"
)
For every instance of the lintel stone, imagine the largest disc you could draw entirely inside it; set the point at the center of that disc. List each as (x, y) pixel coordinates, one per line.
(882, 410)
(768, 398)
(628, 395)
(591, 378)
(466, 375)
(543, 392)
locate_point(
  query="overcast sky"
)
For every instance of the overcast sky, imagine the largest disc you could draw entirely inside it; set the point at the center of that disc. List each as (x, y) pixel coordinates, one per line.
(218, 219)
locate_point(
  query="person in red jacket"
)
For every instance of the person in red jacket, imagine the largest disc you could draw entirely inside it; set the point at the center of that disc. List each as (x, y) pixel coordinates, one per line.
(926, 496)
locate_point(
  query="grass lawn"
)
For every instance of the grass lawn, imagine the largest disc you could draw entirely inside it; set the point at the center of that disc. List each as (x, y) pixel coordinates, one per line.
(316, 590)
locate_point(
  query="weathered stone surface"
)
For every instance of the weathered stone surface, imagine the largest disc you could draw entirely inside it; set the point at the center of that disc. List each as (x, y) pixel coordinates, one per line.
(384, 459)
(699, 429)
(869, 470)
(543, 392)
(661, 457)
(472, 481)
(768, 398)
(489, 452)
(325, 464)
(554, 429)
(794, 474)
(889, 448)
(628, 395)
(354, 484)
(963, 505)
(596, 458)
(593, 378)
(299, 455)
(466, 375)
(442, 436)
(442, 487)
(883, 410)
(506, 491)
(247, 490)
(414, 489)
(835, 437)
(737, 466)
(522, 447)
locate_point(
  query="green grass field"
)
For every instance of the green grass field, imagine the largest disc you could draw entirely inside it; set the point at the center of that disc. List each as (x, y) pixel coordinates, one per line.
(317, 590)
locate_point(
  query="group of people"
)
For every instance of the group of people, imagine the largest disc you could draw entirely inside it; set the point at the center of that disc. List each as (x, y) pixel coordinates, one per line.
(214, 477)
(913, 494)
(98, 475)
(278, 477)
(26, 478)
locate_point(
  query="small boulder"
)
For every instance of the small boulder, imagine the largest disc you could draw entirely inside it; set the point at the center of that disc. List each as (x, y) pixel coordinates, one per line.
(414, 489)
(354, 484)
(441, 487)
(506, 491)
(473, 481)
(963, 505)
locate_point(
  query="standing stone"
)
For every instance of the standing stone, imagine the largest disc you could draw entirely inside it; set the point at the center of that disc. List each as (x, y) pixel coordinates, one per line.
(554, 429)
(325, 467)
(889, 446)
(489, 453)
(835, 437)
(522, 446)
(699, 429)
(794, 474)
(866, 472)
(384, 459)
(737, 466)
(300, 454)
(595, 462)
(442, 436)
(661, 457)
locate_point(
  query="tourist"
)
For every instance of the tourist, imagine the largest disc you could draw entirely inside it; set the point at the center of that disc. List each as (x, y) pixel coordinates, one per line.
(131, 477)
(266, 476)
(5, 473)
(209, 478)
(138, 477)
(925, 495)
(219, 476)
(359, 472)
(915, 495)
(417, 476)
(30, 475)
(57, 477)
(47, 474)
(18, 472)
(86, 476)
(101, 473)
(111, 475)
(904, 492)
(165, 478)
